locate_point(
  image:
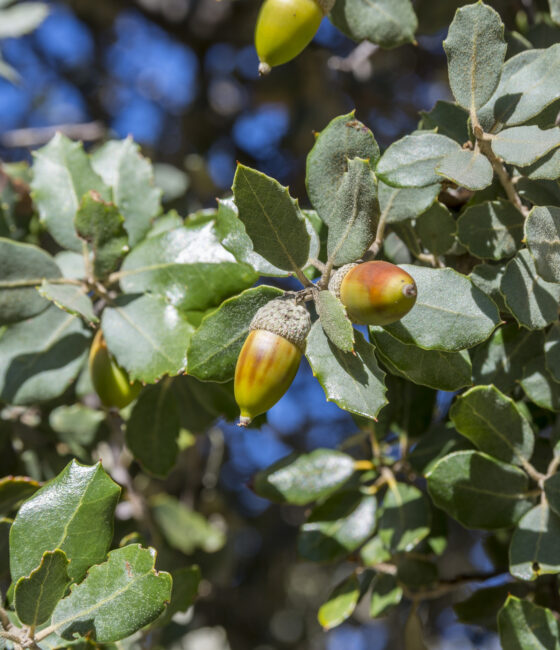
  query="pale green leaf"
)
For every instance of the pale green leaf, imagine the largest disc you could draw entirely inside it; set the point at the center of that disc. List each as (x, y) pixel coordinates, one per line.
(524, 625)
(466, 168)
(534, 545)
(21, 19)
(542, 232)
(436, 228)
(401, 203)
(523, 145)
(70, 298)
(488, 278)
(539, 385)
(335, 322)
(340, 604)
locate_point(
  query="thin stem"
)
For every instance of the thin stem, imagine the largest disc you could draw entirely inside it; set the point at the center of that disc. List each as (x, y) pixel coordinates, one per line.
(374, 249)
(11, 636)
(554, 463)
(35, 282)
(300, 275)
(4, 619)
(318, 265)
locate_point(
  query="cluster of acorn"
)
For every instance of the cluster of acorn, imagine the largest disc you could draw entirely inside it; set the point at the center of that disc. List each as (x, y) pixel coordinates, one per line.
(373, 293)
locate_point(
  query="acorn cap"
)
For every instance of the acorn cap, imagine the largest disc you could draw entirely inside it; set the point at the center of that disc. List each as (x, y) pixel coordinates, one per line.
(286, 319)
(338, 276)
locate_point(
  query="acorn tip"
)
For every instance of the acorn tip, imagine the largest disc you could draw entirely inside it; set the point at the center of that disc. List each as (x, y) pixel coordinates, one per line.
(264, 69)
(244, 421)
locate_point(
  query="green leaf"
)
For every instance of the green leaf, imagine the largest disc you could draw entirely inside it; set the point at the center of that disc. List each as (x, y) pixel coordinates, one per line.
(494, 423)
(539, 385)
(77, 426)
(500, 361)
(405, 519)
(131, 179)
(5, 525)
(188, 266)
(482, 606)
(534, 544)
(62, 174)
(479, 491)
(200, 403)
(554, 6)
(525, 625)
(36, 596)
(22, 19)
(529, 83)
(412, 160)
(434, 368)
(552, 351)
(340, 604)
(547, 167)
(231, 232)
(23, 263)
(475, 49)
(450, 312)
(334, 321)
(491, 230)
(416, 573)
(388, 23)
(14, 490)
(161, 335)
(401, 203)
(116, 598)
(488, 278)
(466, 168)
(100, 224)
(353, 381)
(41, 357)
(185, 589)
(337, 527)
(216, 344)
(272, 219)
(76, 514)
(153, 428)
(69, 298)
(436, 228)
(523, 145)
(184, 529)
(385, 593)
(532, 301)
(541, 192)
(448, 119)
(439, 441)
(301, 478)
(344, 138)
(353, 222)
(552, 492)
(542, 232)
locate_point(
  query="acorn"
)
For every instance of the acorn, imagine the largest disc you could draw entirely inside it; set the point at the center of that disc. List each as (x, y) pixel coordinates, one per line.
(270, 356)
(374, 293)
(285, 28)
(111, 382)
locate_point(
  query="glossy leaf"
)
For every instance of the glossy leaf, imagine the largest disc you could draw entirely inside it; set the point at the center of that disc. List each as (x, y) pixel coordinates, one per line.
(337, 526)
(100, 224)
(130, 177)
(116, 598)
(494, 423)
(161, 335)
(523, 624)
(334, 321)
(479, 491)
(466, 168)
(340, 604)
(523, 145)
(75, 511)
(153, 428)
(353, 222)
(450, 312)
(353, 381)
(405, 519)
(542, 232)
(187, 266)
(70, 298)
(433, 368)
(532, 301)
(14, 490)
(36, 596)
(401, 203)
(388, 23)
(23, 263)
(300, 479)
(534, 544)
(183, 528)
(412, 160)
(272, 219)
(344, 138)
(491, 230)
(40, 357)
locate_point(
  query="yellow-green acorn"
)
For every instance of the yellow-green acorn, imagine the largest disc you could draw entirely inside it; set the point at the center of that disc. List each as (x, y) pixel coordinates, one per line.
(270, 356)
(111, 382)
(285, 28)
(374, 293)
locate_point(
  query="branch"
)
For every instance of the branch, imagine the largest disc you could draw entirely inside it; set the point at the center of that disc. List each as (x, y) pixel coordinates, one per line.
(36, 136)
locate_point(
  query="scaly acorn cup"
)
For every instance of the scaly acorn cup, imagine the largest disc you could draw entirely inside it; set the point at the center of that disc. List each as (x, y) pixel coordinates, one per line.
(285, 28)
(374, 293)
(269, 358)
(111, 382)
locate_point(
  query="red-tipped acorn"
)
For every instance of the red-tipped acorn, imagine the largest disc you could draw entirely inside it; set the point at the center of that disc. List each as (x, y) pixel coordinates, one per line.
(374, 293)
(270, 357)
